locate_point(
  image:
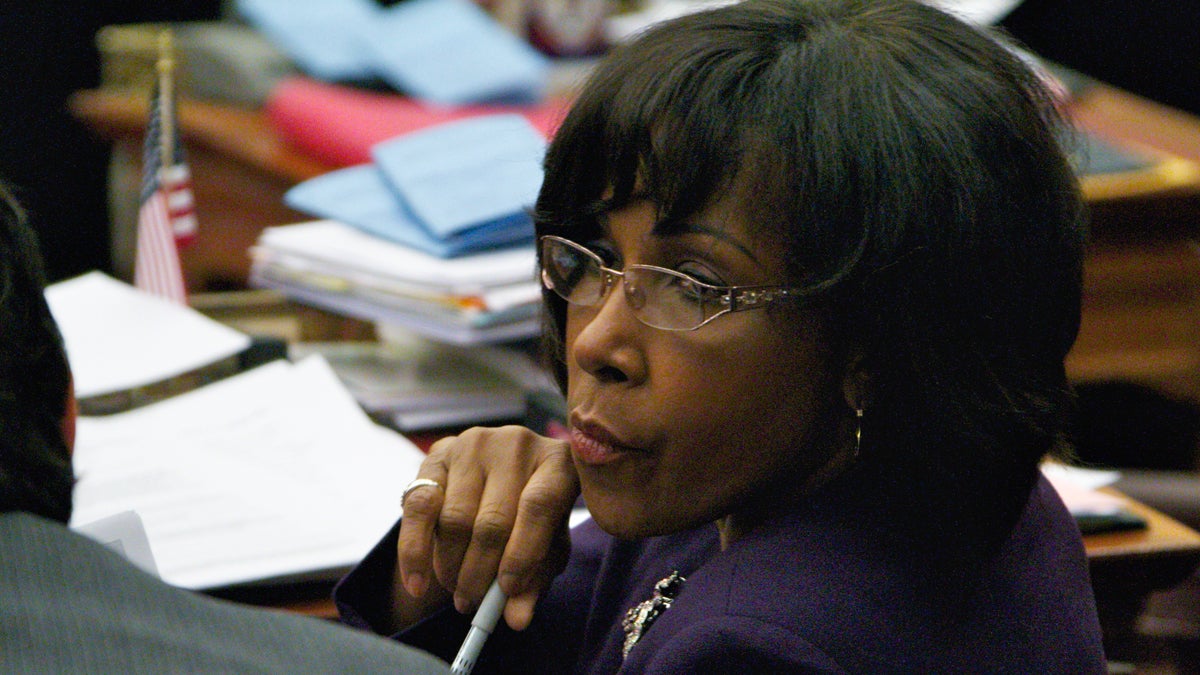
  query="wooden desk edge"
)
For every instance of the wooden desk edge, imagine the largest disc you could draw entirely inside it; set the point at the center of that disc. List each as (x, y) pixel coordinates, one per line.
(1124, 117)
(235, 132)
(1164, 537)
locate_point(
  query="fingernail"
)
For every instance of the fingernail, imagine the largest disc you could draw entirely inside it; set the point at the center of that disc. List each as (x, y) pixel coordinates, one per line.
(509, 582)
(415, 584)
(520, 611)
(462, 604)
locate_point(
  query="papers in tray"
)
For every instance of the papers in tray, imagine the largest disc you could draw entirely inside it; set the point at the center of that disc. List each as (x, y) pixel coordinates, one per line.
(449, 189)
(119, 338)
(269, 475)
(415, 384)
(484, 297)
(449, 52)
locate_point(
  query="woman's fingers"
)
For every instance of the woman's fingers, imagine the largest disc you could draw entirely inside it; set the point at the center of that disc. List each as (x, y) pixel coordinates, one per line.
(490, 533)
(456, 523)
(539, 537)
(414, 547)
(507, 495)
(518, 613)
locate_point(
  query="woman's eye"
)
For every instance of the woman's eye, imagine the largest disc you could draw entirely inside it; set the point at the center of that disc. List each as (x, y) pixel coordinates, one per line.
(699, 273)
(606, 251)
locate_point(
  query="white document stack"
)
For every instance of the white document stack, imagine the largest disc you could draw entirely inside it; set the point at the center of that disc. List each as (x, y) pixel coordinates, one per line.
(435, 234)
(486, 297)
(269, 475)
(272, 475)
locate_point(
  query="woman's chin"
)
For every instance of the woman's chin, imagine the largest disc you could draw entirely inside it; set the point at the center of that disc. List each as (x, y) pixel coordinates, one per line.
(624, 521)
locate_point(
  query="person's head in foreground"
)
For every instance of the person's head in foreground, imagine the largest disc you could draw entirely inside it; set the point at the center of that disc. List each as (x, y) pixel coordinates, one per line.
(36, 430)
(793, 241)
(71, 604)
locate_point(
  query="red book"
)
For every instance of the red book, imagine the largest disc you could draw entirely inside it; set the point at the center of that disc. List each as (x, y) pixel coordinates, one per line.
(338, 124)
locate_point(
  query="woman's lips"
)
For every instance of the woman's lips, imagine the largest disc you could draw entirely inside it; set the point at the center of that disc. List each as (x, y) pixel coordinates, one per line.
(594, 445)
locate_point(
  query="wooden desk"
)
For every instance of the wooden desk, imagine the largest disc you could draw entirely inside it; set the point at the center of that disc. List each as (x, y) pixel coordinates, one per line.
(241, 166)
(1127, 566)
(1141, 319)
(1161, 555)
(240, 170)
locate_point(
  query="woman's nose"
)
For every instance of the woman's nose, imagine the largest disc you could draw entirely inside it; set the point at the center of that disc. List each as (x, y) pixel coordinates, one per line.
(605, 339)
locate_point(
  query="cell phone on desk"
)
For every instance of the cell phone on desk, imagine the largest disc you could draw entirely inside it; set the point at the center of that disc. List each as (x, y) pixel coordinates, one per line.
(1119, 520)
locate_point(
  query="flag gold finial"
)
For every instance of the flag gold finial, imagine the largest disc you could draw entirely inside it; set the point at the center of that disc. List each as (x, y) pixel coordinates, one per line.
(166, 51)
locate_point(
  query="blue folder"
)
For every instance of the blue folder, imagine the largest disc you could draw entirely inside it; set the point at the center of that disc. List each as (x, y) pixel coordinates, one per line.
(465, 174)
(323, 37)
(450, 189)
(452, 52)
(360, 196)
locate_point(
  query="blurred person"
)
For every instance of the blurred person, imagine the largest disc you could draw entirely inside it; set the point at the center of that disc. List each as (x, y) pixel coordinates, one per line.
(71, 605)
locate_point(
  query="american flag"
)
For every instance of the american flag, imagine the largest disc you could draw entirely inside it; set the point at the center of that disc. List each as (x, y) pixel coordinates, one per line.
(166, 219)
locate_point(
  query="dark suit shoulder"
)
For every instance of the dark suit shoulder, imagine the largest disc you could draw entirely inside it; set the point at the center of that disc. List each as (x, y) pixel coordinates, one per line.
(72, 605)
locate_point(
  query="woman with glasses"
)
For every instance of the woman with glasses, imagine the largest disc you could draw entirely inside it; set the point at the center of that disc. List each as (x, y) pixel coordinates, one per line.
(811, 269)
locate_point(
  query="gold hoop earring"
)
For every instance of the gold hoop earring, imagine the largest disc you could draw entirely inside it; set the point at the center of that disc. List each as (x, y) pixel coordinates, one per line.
(858, 413)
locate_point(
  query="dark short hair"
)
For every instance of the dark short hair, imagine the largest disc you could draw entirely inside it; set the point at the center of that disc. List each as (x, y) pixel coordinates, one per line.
(35, 462)
(911, 166)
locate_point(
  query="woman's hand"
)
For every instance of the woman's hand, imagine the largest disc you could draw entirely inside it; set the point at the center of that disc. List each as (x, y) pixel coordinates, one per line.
(503, 514)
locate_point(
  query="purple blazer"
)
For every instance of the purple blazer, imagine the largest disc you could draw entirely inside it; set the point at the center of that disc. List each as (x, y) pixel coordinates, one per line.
(813, 591)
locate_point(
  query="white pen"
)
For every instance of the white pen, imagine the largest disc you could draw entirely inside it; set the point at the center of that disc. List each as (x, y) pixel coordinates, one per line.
(481, 627)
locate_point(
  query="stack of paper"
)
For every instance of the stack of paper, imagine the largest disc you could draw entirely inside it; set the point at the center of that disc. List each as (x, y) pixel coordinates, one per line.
(451, 189)
(434, 235)
(122, 341)
(272, 475)
(484, 297)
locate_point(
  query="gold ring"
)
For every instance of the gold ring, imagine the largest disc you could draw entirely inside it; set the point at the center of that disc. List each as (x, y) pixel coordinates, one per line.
(418, 483)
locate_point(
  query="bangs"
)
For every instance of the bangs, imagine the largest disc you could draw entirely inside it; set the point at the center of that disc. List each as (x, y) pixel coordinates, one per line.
(676, 137)
(715, 105)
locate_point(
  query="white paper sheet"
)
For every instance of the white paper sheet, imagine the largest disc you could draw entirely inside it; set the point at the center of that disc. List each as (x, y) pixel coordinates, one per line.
(343, 247)
(120, 338)
(269, 475)
(1078, 488)
(124, 533)
(978, 11)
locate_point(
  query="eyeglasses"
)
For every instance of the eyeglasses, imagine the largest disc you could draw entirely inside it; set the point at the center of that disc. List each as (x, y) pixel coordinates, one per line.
(659, 297)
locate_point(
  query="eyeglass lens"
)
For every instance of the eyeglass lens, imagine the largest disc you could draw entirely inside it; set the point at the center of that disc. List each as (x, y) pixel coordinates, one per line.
(659, 298)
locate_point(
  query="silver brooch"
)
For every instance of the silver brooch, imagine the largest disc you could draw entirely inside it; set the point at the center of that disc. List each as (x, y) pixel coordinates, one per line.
(639, 618)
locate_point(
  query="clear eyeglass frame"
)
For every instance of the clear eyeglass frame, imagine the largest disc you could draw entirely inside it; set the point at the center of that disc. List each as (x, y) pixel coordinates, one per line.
(659, 297)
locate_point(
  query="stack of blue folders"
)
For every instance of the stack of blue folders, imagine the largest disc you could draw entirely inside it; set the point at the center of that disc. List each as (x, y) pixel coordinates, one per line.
(435, 234)
(449, 52)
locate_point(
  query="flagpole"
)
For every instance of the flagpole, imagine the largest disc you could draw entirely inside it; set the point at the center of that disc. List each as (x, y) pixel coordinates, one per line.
(166, 195)
(166, 97)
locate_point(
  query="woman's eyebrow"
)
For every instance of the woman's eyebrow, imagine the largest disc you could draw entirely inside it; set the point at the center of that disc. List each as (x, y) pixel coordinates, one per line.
(679, 228)
(596, 208)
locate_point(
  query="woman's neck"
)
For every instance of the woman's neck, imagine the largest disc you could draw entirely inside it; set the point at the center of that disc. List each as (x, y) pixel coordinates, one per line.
(737, 524)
